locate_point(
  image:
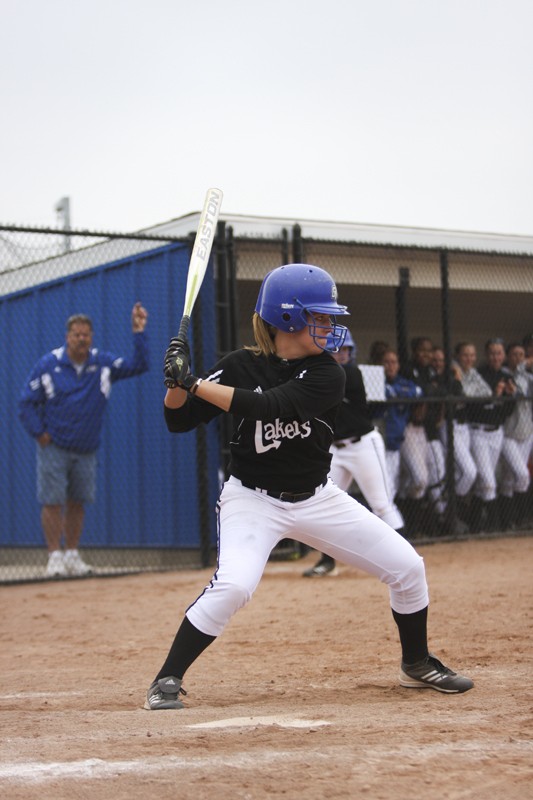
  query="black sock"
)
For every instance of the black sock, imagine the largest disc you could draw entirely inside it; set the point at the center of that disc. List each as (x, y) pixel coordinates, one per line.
(188, 644)
(413, 635)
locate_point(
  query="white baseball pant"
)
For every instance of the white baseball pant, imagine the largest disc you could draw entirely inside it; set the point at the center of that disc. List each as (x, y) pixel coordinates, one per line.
(515, 475)
(392, 458)
(486, 449)
(251, 524)
(436, 474)
(365, 463)
(465, 466)
(413, 462)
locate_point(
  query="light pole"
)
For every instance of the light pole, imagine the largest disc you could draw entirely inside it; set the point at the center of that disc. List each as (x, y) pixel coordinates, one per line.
(63, 214)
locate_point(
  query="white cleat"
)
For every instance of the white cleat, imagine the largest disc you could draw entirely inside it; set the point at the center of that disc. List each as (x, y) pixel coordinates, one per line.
(56, 567)
(75, 565)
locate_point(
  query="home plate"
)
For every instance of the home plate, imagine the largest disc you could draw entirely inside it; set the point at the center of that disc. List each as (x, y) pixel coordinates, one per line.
(282, 721)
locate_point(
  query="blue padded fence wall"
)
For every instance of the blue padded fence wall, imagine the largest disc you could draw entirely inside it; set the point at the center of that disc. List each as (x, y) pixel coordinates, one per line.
(148, 493)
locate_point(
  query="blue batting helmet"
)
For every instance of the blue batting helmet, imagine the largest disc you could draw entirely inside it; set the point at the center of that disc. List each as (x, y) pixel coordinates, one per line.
(291, 292)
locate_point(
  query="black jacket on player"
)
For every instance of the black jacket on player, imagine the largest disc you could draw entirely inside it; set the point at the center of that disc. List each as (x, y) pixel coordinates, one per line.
(284, 417)
(491, 414)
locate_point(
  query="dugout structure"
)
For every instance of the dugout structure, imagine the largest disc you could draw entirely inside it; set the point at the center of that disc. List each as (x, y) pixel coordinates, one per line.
(156, 493)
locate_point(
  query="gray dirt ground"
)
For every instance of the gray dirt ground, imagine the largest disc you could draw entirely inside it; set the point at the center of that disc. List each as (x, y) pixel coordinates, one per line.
(298, 698)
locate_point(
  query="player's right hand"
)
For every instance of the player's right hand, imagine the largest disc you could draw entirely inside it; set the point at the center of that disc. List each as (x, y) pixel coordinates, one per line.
(176, 366)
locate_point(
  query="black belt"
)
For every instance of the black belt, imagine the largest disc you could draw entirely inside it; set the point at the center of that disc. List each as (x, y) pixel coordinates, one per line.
(286, 497)
(353, 440)
(488, 428)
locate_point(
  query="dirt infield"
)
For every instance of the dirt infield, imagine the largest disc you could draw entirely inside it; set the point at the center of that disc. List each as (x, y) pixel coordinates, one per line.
(298, 698)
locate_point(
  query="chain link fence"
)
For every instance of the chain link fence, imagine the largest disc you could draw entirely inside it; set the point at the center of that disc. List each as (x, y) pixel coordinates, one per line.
(452, 473)
(156, 493)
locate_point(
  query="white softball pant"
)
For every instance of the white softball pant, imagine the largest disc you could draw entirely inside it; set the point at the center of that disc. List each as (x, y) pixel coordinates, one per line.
(393, 469)
(413, 460)
(486, 449)
(365, 463)
(465, 466)
(436, 474)
(515, 465)
(251, 524)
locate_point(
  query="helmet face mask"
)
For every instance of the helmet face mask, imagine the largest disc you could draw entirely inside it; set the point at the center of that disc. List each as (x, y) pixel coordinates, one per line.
(289, 297)
(333, 334)
(347, 341)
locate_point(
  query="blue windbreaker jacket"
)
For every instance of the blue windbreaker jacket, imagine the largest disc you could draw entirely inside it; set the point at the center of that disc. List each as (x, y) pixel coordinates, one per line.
(71, 406)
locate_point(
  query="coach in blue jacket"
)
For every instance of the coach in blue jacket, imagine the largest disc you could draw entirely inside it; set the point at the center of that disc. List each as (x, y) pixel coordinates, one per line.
(62, 407)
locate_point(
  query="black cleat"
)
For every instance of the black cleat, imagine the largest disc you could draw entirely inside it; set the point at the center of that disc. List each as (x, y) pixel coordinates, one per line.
(432, 674)
(164, 693)
(323, 568)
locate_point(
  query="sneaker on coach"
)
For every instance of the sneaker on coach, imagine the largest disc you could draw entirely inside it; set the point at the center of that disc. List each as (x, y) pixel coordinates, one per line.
(164, 693)
(325, 567)
(56, 565)
(75, 565)
(430, 673)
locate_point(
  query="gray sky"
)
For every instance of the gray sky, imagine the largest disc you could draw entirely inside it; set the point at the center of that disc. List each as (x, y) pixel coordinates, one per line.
(401, 112)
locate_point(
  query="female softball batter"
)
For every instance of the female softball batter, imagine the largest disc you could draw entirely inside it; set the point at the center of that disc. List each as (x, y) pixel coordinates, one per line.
(283, 395)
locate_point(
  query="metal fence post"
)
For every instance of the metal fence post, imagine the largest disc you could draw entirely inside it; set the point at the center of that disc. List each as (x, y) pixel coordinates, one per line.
(401, 315)
(297, 244)
(451, 504)
(227, 321)
(284, 246)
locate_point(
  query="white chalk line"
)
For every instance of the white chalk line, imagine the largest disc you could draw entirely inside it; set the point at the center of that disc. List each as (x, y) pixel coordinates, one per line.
(34, 695)
(96, 768)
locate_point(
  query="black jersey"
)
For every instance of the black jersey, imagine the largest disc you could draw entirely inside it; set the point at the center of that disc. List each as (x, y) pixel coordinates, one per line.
(353, 418)
(430, 415)
(284, 416)
(493, 414)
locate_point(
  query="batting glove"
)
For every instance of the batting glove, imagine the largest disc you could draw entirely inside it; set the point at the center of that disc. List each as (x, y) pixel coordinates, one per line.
(176, 344)
(176, 368)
